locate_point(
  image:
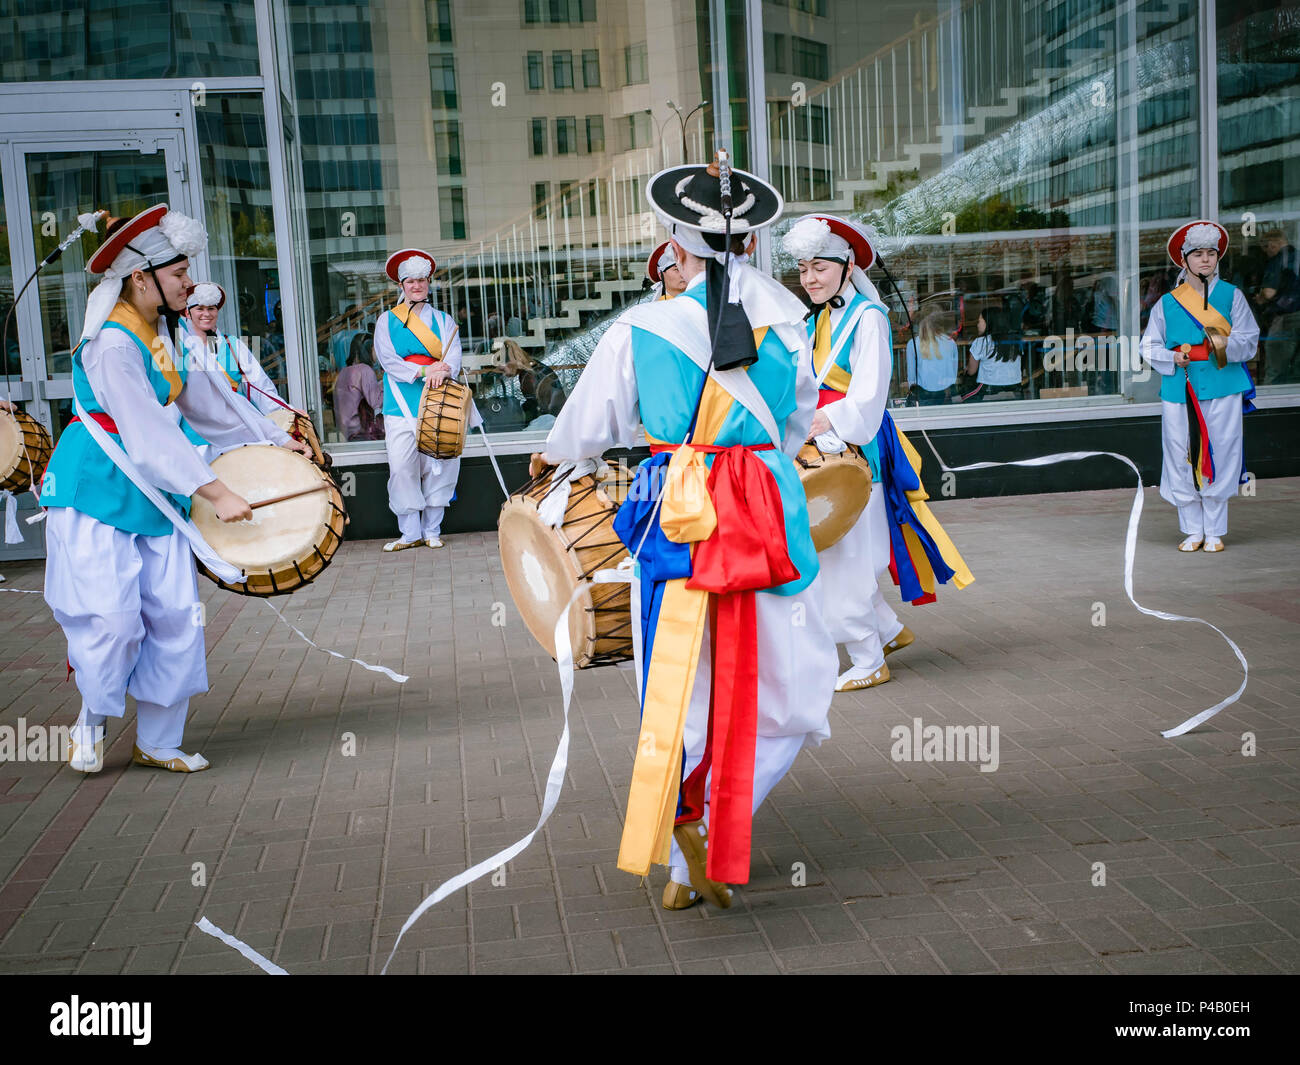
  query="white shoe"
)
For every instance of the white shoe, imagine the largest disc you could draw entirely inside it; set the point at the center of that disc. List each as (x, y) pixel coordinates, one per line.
(1192, 543)
(862, 677)
(434, 541)
(169, 758)
(84, 754)
(1213, 545)
(402, 545)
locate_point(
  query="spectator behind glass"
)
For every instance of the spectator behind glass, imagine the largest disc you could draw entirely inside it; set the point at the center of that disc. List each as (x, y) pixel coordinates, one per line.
(1064, 315)
(1277, 306)
(358, 395)
(994, 357)
(931, 376)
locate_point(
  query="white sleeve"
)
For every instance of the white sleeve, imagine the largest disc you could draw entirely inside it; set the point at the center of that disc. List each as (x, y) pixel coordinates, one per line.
(1153, 347)
(223, 417)
(149, 432)
(856, 418)
(798, 425)
(256, 376)
(1244, 339)
(451, 353)
(392, 363)
(602, 411)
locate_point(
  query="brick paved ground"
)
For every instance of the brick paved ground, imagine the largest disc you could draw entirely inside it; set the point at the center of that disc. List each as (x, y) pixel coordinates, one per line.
(315, 857)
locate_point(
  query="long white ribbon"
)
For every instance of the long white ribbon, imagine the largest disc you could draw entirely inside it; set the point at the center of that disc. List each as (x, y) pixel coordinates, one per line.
(1130, 551)
(401, 678)
(204, 925)
(13, 534)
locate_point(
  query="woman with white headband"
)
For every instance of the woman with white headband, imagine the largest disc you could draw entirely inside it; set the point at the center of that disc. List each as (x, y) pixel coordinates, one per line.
(236, 361)
(418, 347)
(1197, 338)
(853, 361)
(119, 574)
(663, 272)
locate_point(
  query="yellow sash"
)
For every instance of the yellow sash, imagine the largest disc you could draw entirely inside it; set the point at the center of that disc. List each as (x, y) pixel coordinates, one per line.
(1194, 304)
(425, 335)
(836, 377)
(679, 637)
(131, 320)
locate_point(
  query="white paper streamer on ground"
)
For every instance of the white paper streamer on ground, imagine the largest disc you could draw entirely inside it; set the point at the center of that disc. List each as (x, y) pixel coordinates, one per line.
(401, 678)
(1130, 551)
(204, 925)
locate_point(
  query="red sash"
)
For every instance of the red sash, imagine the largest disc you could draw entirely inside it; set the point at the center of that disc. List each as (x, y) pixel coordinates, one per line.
(420, 360)
(101, 419)
(746, 552)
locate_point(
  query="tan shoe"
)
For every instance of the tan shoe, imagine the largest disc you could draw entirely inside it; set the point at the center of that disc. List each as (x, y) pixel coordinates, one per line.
(434, 541)
(1192, 543)
(903, 639)
(680, 896)
(186, 763)
(1213, 545)
(693, 839)
(860, 677)
(402, 545)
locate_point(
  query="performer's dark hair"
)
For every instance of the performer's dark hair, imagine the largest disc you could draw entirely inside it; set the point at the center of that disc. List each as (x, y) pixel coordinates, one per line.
(718, 242)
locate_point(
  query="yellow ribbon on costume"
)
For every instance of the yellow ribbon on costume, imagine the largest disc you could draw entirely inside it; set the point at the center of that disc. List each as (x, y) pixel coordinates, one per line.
(134, 323)
(403, 313)
(962, 575)
(674, 659)
(1194, 304)
(836, 377)
(687, 515)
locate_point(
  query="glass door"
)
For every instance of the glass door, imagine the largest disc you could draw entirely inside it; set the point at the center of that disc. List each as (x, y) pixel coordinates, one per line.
(56, 179)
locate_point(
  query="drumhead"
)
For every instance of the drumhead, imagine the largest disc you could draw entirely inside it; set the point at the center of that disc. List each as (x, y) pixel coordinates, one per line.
(542, 574)
(279, 534)
(837, 490)
(11, 443)
(281, 418)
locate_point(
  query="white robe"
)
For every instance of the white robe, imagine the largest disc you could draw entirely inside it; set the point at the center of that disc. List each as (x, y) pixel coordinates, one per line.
(1203, 512)
(419, 486)
(128, 604)
(797, 668)
(856, 612)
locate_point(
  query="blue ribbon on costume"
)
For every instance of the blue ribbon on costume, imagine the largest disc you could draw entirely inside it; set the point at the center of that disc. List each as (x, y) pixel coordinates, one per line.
(1246, 407)
(897, 479)
(659, 559)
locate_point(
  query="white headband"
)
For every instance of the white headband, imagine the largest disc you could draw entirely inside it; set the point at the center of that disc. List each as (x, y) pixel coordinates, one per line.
(666, 260)
(1201, 236)
(205, 294)
(174, 236)
(812, 238)
(414, 268)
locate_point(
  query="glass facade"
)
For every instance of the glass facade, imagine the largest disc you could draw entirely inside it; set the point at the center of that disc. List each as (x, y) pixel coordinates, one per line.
(1022, 160)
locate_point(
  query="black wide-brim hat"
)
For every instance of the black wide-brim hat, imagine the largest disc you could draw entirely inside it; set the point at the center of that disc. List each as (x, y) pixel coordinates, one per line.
(691, 196)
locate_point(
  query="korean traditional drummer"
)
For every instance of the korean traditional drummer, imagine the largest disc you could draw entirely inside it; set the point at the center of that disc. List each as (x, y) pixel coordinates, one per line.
(1197, 338)
(417, 346)
(853, 360)
(119, 575)
(739, 667)
(662, 272)
(237, 362)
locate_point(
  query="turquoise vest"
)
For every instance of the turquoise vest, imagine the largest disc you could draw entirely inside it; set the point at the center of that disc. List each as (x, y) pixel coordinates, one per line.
(1208, 381)
(83, 477)
(844, 360)
(668, 383)
(407, 343)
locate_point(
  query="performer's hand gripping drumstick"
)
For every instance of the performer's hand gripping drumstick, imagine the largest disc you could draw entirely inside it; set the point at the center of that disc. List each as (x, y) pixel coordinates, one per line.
(227, 505)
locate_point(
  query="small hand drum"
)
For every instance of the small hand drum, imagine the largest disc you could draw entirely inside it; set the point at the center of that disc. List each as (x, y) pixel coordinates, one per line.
(444, 420)
(837, 486)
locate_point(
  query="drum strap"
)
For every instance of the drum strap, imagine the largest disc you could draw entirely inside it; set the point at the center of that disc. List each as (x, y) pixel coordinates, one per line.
(405, 314)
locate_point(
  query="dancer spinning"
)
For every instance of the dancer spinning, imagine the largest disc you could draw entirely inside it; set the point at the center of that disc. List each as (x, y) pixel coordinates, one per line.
(853, 360)
(119, 576)
(741, 681)
(1197, 338)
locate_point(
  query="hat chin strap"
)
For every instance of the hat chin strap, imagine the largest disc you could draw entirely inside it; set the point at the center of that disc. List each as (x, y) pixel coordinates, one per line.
(836, 301)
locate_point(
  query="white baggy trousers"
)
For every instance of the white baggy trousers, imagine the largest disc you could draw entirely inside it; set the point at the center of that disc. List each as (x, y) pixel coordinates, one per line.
(129, 607)
(419, 486)
(796, 679)
(1203, 513)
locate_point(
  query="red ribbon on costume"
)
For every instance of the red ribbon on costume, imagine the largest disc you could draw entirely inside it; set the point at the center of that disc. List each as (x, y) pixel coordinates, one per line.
(826, 395)
(420, 359)
(101, 419)
(746, 552)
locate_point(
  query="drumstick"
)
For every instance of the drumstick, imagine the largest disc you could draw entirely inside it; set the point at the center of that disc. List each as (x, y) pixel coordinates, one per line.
(289, 495)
